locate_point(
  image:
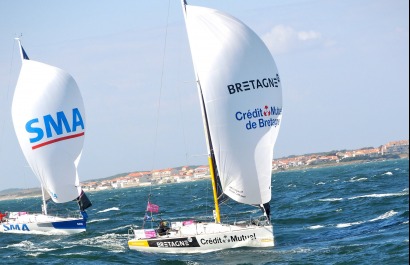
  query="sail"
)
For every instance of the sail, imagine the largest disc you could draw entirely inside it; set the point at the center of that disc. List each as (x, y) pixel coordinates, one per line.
(242, 97)
(49, 121)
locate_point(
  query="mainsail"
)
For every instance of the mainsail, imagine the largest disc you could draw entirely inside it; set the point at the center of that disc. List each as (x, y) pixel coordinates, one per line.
(48, 118)
(242, 97)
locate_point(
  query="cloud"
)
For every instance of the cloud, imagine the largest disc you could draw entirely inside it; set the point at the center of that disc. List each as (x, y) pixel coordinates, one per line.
(282, 39)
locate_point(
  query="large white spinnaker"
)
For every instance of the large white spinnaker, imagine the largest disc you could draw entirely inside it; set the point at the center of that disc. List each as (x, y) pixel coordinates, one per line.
(242, 93)
(48, 117)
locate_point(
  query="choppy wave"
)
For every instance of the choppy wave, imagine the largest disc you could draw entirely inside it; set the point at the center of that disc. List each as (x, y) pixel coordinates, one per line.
(379, 195)
(321, 216)
(109, 209)
(331, 199)
(30, 248)
(121, 228)
(111, 242)
(97, 220)
(313, 227)
(355, 179)
(386, 215)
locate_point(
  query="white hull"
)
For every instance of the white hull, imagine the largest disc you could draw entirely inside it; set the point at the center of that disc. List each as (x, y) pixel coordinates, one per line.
(202, 238)
(42, 224)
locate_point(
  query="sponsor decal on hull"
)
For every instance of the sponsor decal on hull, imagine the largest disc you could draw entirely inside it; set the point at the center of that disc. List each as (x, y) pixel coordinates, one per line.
(73, 224)
(227, 239)
(15, 227)
(187, 242)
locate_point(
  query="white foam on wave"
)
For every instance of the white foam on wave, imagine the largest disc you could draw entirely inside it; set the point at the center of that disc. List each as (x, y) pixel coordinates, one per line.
(30, 248)
(111, 242)
(109, 209)
(124, 227)
(98, 220)
(320, 183)
(385, 216)
(81, 253)
(301, 250)
(388, 173)
(331, 199)
(343, 225)
(379, 195)
(381, 217)
(354, 179)
(313, 227)
(21, 245)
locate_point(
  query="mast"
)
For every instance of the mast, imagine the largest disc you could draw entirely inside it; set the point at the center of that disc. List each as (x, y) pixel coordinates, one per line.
(211, 157)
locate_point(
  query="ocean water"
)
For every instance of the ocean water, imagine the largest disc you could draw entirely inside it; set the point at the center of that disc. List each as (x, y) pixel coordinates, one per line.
(350, 214)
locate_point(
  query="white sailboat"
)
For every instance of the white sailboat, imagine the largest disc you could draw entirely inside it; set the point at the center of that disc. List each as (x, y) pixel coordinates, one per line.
(241, 98)
(48, 118)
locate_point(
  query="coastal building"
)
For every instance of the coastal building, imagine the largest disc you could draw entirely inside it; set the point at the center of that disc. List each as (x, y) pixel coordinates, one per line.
(201, 172)
(189, 173)
(396, 147)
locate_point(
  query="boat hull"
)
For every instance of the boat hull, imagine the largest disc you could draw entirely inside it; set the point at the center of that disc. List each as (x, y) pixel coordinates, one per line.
(205, 237)
(39, 223)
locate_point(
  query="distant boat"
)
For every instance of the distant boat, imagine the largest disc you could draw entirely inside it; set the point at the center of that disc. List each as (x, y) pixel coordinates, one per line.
(49, 121)
(241, 97)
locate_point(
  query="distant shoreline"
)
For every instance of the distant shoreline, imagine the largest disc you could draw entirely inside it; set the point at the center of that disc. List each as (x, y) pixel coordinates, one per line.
(36, 192)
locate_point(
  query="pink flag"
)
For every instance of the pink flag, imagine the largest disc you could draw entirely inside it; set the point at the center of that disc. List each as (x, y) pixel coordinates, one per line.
(152, 207)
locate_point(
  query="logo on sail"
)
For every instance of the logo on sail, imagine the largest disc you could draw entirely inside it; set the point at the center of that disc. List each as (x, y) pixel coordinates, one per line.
(253, 84)
(52, 128)
(260, 117)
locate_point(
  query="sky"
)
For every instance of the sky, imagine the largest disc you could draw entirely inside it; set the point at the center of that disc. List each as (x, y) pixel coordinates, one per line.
(344, 67)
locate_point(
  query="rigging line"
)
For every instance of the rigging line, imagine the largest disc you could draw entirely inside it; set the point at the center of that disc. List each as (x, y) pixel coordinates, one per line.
(181, 113)
(160, 89)
(159, 96)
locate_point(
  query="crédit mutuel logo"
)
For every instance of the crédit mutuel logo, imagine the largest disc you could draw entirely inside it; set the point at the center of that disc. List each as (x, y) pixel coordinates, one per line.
(266, 116)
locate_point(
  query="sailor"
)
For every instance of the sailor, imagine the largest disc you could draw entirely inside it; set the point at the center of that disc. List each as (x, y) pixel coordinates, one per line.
(163, 228)
(84, 215)
(2, 216)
